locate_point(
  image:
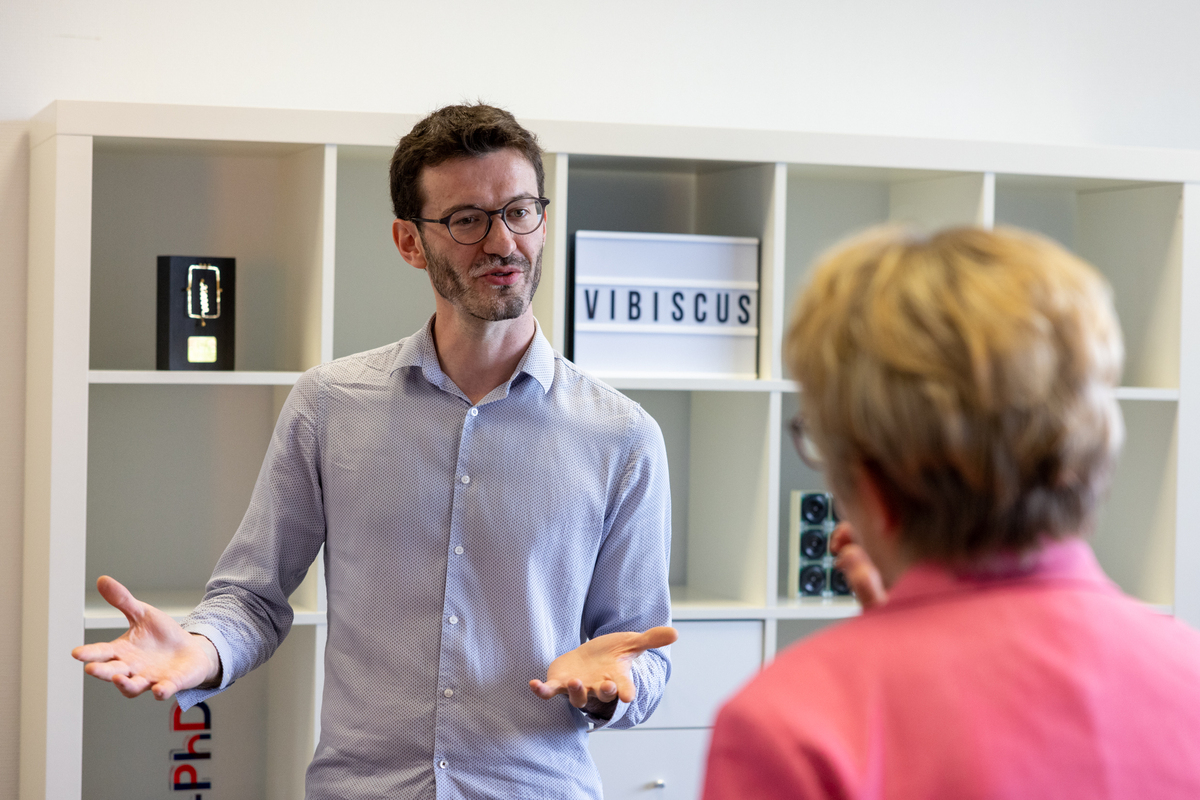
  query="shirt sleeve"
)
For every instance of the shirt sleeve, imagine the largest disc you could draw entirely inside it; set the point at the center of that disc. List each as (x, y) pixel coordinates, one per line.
(629, 590)
(245, 611)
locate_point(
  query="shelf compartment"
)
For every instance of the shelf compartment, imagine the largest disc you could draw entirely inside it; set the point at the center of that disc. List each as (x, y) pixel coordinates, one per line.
(825, 205)
(684, 196)
(260, 203)
(171, 470)
(658, 195)
(377, 298)
(1132, 233)
(1135, 535)
(1134, 540)
(794, 475)
(719, 460)
(263, 731)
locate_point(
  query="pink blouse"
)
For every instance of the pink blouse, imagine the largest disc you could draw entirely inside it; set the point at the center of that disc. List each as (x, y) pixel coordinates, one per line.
(1034, 680)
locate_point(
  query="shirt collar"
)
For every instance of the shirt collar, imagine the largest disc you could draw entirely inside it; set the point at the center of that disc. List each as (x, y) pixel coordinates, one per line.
(538, 361)
(1070, 560)
(419, 350)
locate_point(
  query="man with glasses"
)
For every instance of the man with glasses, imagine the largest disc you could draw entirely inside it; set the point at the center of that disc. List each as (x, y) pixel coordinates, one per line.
(484, 508)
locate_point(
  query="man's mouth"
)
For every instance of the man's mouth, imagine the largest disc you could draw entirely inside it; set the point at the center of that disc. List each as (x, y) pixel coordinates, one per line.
(502, 276)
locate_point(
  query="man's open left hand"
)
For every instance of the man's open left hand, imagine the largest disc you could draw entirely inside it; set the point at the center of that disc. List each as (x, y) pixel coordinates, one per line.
(597, 673)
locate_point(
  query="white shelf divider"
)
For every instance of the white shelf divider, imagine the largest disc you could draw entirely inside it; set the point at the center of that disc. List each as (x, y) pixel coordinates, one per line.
(1187, 544)
(328, 248)
(56, 474)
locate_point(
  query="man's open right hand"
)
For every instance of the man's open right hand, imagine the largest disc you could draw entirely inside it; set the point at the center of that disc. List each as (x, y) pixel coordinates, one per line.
(155, 653)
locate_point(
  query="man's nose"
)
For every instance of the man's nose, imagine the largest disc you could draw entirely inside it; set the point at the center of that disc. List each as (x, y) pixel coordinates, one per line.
(500, 241)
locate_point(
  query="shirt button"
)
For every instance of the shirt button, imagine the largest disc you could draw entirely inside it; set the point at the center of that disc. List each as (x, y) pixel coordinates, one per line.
(474, 412)
(453, 621)
(466, 478)
(458, 551)
(443, 763)
(449, 693)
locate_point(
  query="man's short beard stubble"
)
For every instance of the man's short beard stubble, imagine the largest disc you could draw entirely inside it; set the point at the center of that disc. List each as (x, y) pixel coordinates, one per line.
(504, 302)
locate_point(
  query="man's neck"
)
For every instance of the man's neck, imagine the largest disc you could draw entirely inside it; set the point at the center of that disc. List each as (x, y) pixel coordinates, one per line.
(479, 355)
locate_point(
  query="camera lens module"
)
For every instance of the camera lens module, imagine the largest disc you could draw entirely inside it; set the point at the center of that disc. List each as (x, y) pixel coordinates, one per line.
(838, 582)
(812, 580)
(813, 544)
(814, 508)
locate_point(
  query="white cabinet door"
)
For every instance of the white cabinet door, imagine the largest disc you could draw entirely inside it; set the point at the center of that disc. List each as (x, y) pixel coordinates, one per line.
(711, 660)
(650, 765)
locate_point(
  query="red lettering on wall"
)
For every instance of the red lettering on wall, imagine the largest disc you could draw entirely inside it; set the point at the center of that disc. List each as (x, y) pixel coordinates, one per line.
(180, 725)
(193, 783)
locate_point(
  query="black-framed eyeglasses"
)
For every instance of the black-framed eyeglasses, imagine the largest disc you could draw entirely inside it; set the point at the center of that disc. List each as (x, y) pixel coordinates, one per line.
(472, 225)
(805, 446)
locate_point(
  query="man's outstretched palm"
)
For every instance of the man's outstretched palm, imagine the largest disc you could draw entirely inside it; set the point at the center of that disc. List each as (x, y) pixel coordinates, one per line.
(598, 671)
(155, 653)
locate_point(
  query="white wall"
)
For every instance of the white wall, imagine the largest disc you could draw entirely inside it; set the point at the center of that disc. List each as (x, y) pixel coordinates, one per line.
(1107, 71)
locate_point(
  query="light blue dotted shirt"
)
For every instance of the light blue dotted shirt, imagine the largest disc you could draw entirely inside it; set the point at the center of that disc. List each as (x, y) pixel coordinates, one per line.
(466, 547)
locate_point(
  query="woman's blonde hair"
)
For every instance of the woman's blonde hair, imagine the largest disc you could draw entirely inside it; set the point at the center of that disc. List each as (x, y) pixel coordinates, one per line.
(971, 374)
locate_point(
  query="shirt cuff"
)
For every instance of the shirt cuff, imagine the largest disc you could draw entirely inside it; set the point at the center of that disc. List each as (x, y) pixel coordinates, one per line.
(190, 697)
(598, 723)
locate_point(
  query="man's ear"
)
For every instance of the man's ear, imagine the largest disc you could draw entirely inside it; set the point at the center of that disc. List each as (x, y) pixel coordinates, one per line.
(408, 242)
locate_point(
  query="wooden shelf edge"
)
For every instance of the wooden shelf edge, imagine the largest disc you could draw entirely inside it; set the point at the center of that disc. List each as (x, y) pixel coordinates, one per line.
(1151, 393)
(694, 384)
(184, 378)
(1147, 393)
(817, 609)
(118, 623)
(98, 615)
(192, 122)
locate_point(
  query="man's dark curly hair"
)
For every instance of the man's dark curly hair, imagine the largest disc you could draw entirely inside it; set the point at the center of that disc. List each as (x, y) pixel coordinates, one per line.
(464, 131)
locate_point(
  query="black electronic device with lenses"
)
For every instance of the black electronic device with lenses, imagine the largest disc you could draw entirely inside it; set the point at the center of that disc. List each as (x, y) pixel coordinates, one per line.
(818, 576)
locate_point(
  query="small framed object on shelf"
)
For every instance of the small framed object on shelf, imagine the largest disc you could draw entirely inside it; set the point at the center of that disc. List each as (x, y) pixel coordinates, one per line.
(811, 573)
(195, 312)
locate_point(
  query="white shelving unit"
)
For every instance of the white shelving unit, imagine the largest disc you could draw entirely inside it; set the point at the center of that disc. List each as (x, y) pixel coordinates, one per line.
(145, 474)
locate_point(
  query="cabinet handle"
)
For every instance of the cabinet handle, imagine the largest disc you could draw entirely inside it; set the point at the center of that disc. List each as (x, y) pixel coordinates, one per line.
(658, 784)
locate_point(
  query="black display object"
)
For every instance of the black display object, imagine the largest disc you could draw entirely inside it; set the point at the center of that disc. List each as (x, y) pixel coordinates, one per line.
(195, 312)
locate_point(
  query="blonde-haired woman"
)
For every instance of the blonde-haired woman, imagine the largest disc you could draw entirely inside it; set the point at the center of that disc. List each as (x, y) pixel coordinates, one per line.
(957, 390)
